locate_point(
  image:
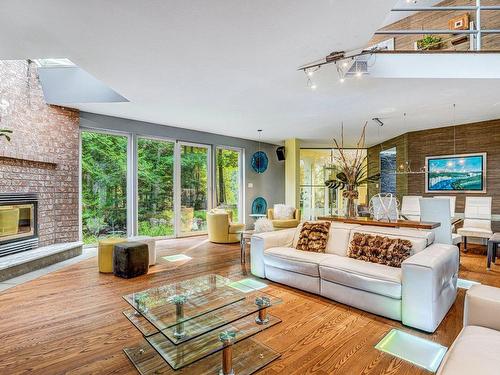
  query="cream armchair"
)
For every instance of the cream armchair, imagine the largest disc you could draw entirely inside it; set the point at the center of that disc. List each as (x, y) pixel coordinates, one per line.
(220, 227)
(475, 350)
(289, 223)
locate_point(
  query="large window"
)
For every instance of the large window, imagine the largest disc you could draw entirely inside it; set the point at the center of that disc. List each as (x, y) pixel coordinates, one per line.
(104, 185)
(228, 180)
(315, 198)
(194, 192)
(136, 185)
(155, 187)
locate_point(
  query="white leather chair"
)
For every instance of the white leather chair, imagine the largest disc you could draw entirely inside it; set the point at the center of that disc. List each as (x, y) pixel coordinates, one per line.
(452, 200)
(438, 210)
(475, 350)
(477, 221)
(410, 207)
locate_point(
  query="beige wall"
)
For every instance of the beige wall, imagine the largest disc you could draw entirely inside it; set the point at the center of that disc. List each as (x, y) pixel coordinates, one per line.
(292, 172)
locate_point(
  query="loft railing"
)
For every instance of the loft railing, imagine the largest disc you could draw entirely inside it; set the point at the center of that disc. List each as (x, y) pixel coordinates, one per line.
(474, 29)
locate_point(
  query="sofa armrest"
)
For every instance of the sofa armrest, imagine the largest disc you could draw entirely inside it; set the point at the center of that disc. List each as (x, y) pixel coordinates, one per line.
(482, 307)
(262, 241)
(429, 286)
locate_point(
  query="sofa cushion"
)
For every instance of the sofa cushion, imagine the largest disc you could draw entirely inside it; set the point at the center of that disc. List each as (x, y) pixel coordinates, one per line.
(475, 351)
(314, 236)
(419, 239)
(338, 238)
(370, 277)
(287, 258)
(379, 249)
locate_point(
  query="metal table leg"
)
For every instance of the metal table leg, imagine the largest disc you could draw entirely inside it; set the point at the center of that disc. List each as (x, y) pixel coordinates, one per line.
(242, 248)
(227, 339)
(489, 255)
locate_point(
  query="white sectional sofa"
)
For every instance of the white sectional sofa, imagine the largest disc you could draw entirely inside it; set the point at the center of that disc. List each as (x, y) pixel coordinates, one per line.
(419, 294)
(475, 350)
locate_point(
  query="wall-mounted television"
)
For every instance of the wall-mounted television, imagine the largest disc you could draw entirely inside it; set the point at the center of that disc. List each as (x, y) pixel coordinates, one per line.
(456, 173)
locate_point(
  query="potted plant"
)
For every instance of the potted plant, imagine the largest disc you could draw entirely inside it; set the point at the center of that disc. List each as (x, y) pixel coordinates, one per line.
(429, 42)
(349, 172)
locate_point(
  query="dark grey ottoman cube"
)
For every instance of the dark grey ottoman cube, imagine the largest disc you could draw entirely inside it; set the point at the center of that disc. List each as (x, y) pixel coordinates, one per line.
(130, 259)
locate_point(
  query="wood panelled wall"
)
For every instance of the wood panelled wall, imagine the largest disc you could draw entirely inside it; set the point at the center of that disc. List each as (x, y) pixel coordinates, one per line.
(461, 139)
(439, 20)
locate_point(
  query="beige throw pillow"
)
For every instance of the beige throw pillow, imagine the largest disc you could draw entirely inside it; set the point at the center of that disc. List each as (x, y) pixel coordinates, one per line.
(283, 212)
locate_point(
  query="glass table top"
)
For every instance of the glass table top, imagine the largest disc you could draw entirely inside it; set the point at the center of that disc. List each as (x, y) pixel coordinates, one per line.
(187, 309)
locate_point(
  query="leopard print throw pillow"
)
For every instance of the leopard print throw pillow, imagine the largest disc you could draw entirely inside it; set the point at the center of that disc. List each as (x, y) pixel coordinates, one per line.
(378, 249)
(314, 236)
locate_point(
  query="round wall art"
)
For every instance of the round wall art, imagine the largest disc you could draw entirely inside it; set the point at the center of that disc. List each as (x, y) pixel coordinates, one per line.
(259, 206)
(259, 162)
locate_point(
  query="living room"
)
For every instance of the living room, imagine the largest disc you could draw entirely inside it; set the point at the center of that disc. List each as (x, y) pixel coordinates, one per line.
(236, 188)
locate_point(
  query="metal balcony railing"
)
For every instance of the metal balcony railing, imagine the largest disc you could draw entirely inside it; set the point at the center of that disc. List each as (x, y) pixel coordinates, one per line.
(475, 30)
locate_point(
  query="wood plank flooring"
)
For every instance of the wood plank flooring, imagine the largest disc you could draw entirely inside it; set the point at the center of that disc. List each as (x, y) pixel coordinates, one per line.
(71, 321)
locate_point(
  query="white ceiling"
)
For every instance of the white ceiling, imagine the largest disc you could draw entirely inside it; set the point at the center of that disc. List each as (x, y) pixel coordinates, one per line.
(229, 66)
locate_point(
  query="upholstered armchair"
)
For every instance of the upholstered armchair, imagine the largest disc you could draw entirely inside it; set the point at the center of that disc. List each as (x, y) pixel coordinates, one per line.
(288, 223)
(220, 227)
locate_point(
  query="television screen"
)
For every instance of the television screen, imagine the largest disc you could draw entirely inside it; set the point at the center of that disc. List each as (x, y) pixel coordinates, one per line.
(456, 173)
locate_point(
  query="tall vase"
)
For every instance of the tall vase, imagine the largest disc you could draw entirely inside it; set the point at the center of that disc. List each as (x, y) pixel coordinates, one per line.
(350, 195)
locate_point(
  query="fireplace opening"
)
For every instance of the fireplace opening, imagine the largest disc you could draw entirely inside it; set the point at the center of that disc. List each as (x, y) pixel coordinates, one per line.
(18, 223)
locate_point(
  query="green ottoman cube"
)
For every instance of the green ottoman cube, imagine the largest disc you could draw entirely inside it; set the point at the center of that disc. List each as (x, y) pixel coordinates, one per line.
(130, 259)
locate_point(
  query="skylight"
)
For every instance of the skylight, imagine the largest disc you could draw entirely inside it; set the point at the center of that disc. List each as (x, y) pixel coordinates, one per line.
(51, 63)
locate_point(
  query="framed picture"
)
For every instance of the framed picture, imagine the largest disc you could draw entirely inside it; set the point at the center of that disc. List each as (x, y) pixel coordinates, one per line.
(459, 23)
(456, 173)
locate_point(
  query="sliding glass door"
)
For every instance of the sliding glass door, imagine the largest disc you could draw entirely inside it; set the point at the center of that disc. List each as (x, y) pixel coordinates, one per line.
(135, 185)
(194, 188)
(228, 180)
(103, 185)
(155, 187)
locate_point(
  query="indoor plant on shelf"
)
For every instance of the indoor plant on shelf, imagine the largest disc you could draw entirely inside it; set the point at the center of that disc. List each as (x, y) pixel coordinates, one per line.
(349, 171)
(429, 42)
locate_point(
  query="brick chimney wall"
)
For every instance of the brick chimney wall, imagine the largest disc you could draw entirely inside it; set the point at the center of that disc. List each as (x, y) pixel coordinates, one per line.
(43, 155)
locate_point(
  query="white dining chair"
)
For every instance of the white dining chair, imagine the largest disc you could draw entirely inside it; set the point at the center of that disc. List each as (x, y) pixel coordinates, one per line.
(438, 210)
(477, 219)
(410, 207)
(453, 201)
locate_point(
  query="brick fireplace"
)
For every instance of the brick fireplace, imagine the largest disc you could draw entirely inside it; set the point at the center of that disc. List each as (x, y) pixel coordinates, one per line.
(42, 158)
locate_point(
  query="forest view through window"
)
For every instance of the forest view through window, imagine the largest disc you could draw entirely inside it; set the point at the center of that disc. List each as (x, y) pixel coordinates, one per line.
(170, 192)
(155, 187)
(228, 180)
(104, 186)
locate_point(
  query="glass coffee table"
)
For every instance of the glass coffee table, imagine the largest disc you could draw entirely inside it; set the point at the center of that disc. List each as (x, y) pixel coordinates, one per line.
(203, 325)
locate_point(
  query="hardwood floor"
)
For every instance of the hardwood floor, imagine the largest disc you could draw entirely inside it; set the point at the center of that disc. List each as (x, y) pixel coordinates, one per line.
(71, 321)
